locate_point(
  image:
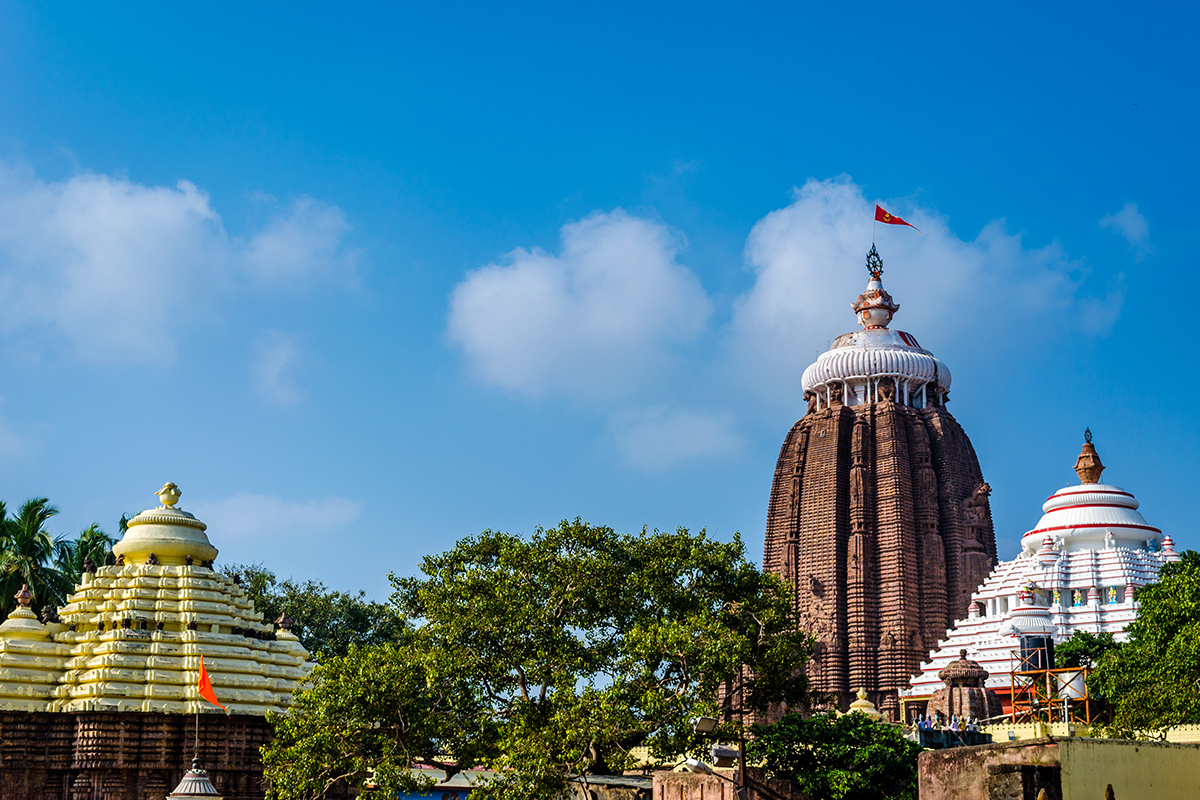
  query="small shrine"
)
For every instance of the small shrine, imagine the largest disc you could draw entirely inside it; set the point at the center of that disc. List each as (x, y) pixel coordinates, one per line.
(965, 694)
(865, 707)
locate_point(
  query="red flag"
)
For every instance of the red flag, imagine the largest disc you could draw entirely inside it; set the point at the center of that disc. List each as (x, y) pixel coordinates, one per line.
(206, 687)
(891, 219)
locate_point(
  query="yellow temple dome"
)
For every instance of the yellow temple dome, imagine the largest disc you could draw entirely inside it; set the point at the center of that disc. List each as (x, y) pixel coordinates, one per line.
(167, 533)
(131, 635)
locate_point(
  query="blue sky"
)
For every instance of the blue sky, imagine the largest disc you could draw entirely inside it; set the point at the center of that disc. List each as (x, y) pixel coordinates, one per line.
(364, 280)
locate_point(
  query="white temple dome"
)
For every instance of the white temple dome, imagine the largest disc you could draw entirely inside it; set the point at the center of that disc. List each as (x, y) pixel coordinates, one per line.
(862, 365)
(874, 353)
(1091, 516)
(1027, 619)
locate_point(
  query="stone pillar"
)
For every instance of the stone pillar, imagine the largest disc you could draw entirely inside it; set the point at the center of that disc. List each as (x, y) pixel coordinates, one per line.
(862, 630)
(899, 581)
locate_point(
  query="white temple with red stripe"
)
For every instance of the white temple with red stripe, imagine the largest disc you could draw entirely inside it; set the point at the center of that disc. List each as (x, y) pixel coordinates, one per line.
(1077, 570)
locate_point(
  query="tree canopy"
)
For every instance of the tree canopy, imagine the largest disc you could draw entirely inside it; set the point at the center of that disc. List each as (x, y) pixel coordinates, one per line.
(548, 656)
(328, 622)
(829, 757)
(1083, 649)
(1151, 680)
(373, 711)
(49, 565)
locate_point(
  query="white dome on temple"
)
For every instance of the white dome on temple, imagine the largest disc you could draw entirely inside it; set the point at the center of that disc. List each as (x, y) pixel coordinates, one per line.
(876, 359)
(1077, 570)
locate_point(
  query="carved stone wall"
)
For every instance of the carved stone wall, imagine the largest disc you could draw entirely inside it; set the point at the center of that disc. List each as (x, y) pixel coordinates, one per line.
(126, 755)
(879, 520)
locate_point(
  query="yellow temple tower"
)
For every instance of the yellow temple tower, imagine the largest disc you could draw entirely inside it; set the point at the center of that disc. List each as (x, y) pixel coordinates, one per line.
(123, 661)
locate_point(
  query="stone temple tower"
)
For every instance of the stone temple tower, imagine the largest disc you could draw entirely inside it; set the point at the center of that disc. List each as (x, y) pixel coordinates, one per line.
(879, 515)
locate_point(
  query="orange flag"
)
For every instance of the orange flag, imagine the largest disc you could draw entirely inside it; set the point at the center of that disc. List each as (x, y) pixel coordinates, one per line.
(206, 687)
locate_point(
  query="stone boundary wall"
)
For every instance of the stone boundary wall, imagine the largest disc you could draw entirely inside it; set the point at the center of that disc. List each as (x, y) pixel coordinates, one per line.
(695, 786)
(126, 756)
(1067, 769)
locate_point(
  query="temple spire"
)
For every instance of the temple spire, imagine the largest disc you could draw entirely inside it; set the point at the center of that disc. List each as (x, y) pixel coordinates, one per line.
(875, 306)
(1088, 466)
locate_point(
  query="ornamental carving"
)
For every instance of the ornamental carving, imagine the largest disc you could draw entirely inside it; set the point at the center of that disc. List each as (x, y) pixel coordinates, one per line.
(886, 390)
(975, 507)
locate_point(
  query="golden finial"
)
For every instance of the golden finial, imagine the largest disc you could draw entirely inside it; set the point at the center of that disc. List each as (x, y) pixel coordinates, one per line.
(169, 495)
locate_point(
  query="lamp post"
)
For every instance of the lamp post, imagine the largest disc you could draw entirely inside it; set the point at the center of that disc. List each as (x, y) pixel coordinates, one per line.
(706, 725)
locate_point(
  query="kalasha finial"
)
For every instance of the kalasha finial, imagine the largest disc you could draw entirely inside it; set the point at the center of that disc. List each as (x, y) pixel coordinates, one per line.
(874, 263)
(875, 307)
(284, 622)
(24, 597)
(1088, 466)
(169, 495)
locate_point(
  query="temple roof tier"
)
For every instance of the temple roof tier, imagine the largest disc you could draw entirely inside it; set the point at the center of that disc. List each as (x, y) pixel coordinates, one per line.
(131, 635)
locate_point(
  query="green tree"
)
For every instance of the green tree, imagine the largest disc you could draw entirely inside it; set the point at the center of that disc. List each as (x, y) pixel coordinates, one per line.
(565, 651)
(370, 712)
(28, 554)
(1151, 680)
(838, 758)
(92, 542)
(328, 622)
(1083, 649)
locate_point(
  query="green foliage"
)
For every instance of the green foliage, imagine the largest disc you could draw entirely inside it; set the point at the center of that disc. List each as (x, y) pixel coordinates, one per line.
(93, 543)
(1083, 649)
(1152, 680)
(838, 758)
(28, 554)
(328, 622)
(49, 565)
(564, 651)
(362, 719)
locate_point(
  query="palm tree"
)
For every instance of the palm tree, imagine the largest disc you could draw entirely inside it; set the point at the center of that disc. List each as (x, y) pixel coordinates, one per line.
(28, 554)
(92, 543)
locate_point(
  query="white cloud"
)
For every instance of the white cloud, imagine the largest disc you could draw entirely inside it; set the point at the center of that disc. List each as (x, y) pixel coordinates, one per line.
(610, 310)
(302, 246)
(975, 296)
(595, 320)
(119, 269)
(255, 520)
(1130, 224)
(657, 439)
(273, 368)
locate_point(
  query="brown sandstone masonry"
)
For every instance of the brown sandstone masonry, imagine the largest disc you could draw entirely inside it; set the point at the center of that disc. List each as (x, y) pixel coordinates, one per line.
(125, 755)
(866, 524)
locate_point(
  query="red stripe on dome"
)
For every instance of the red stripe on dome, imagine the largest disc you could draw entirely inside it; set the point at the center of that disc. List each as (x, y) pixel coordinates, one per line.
(1092, 525)
(1091, 505)
(1091, 491)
